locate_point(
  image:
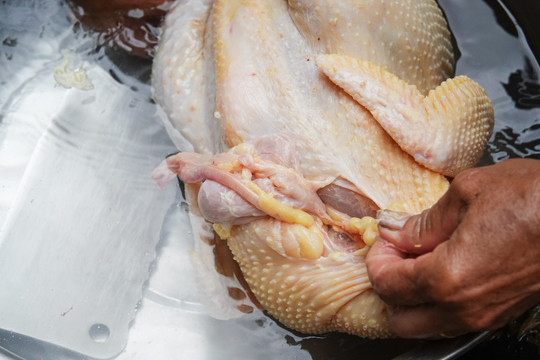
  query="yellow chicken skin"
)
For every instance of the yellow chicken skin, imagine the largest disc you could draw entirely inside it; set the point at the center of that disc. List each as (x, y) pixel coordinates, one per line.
(299, 119)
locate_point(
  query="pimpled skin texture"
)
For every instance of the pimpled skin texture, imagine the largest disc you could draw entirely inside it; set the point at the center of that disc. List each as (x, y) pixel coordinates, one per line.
(446, 131)
(229, 73)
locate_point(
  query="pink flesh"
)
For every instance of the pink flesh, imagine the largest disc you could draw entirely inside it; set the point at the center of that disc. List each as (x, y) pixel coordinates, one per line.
(347, 201)
(270, 167)
(225, 197)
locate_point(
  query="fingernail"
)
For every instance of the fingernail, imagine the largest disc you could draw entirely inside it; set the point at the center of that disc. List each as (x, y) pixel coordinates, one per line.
(393, 220)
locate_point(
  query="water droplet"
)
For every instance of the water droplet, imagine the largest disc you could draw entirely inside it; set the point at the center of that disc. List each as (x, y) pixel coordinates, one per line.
(99, 333)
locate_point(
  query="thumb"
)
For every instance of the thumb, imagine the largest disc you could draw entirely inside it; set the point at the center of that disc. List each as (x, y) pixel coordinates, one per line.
(421, 233)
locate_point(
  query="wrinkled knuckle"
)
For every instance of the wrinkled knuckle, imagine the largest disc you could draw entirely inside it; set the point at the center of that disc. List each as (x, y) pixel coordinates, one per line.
(419, 228)
(423, 225)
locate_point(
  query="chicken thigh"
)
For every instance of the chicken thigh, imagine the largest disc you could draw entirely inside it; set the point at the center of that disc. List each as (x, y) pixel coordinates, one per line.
(299, 120)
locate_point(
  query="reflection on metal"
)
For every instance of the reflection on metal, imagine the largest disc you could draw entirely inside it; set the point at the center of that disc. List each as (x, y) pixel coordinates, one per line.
(445, 349)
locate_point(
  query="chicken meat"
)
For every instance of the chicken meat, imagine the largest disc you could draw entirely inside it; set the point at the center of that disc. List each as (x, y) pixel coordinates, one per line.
(298, 121)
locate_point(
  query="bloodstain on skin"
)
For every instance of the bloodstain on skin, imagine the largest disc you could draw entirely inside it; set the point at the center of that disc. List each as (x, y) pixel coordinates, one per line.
(66, 312)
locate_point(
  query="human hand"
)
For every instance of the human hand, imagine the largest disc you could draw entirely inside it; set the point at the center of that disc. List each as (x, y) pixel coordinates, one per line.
(469, 263)
(129, 24)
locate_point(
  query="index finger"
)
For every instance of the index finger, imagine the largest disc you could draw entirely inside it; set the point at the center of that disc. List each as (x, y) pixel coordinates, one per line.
(394, 275)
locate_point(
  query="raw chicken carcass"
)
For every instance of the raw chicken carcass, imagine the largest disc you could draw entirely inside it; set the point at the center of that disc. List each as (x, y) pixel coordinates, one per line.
(304, 118)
